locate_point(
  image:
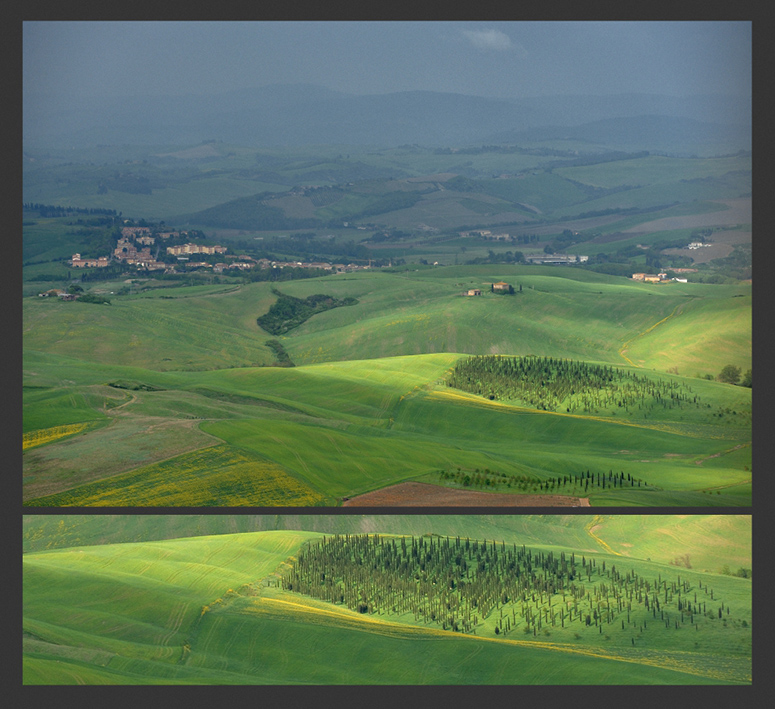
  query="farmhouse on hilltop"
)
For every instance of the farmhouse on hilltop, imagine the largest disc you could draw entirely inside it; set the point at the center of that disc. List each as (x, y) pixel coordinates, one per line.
(649, 277)
(501, 287)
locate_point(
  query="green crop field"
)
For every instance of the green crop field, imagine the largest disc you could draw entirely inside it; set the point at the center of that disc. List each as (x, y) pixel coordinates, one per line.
(204, 600)
(369, 404)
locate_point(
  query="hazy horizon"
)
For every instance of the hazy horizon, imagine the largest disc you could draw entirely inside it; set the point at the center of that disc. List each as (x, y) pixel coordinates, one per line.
(304, 82)
(506, 60)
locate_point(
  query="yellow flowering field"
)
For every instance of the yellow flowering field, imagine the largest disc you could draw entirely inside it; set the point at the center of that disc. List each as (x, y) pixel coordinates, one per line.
(32, 439)
(220, 475)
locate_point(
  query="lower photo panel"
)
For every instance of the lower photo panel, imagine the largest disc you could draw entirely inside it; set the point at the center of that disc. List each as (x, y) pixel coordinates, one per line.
(340, 599)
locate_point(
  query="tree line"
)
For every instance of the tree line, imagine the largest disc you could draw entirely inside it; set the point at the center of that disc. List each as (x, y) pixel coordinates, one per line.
(50, 210)
(569, 484)
(288, 312)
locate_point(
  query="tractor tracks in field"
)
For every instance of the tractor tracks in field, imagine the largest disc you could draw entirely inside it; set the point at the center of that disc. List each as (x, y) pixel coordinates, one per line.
(595, 524)
(623, 349)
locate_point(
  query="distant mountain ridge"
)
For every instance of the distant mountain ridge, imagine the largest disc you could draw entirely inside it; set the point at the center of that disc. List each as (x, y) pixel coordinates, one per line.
(658, 133)
(303, 114)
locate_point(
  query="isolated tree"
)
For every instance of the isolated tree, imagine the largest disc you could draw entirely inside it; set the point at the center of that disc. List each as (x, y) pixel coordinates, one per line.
(746, 380)
(729, 374)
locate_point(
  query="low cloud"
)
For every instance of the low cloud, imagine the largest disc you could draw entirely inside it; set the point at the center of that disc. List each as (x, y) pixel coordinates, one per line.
(488, 39)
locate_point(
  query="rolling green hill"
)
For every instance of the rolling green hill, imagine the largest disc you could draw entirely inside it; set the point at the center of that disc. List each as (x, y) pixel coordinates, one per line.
(367, 405)
(345, 428)
(189, 610)
(217, 184)
(558, 313)
(711, 541)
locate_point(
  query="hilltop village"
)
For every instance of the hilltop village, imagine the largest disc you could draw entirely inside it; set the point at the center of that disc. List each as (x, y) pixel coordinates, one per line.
(134, 249)
(115, 248)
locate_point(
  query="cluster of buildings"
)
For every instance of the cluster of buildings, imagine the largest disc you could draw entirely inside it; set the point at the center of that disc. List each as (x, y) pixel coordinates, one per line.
(133, 232)
(196, 249)
(559, 259)
(499, 287)
(142, 234)
(659, 277)
(247, 262)
(484, 234)
(58, 293)
(134, 249)
(649, 277)
(78, 262)
(127, 252)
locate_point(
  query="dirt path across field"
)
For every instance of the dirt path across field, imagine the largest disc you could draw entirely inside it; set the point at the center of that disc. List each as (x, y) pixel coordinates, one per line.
(717, 455)
(414, 494)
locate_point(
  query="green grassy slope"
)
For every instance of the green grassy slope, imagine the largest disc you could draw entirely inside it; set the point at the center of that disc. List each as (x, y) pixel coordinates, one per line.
(349, 427)
(574, 314)
(710, 540)
(166, 376)
(163, 589)
(191, 610)
(723, 328)
(178, 332)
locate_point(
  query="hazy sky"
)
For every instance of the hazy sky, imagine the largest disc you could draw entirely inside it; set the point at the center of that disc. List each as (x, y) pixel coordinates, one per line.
(498, 59)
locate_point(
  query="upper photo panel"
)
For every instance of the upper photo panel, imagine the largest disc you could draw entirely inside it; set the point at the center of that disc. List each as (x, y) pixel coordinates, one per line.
(387, 264)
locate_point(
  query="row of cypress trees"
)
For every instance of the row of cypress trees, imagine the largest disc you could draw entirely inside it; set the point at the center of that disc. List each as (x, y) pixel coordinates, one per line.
(572, 483)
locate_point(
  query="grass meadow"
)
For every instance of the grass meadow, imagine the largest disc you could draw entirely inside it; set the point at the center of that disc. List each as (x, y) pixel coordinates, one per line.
(112, 392)
(191, 609)
(346, 428)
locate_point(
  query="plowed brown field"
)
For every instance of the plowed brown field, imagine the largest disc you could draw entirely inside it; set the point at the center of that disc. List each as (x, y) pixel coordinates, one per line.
(425, 495)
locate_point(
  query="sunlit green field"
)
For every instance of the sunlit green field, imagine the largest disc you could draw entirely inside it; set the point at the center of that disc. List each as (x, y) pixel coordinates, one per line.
(345, 428)
(208, 610)
(367, 404)
(575, 314)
